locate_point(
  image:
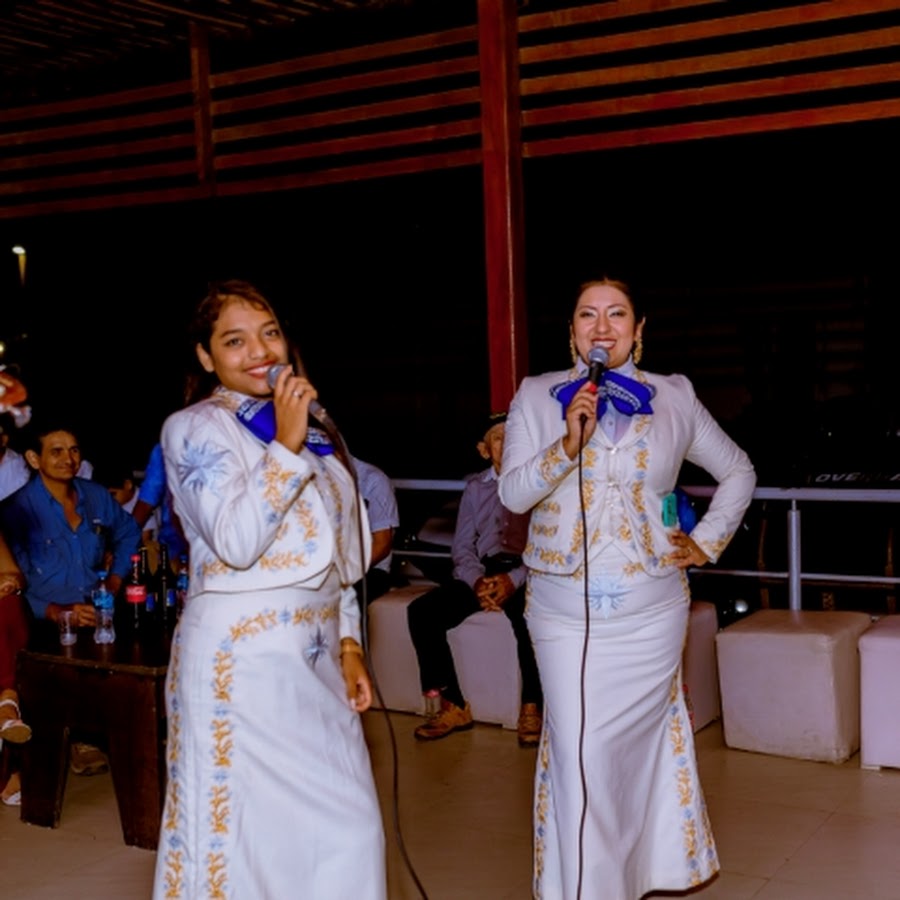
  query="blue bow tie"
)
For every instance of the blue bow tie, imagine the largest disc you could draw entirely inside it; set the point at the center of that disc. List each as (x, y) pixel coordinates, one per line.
(627, 395)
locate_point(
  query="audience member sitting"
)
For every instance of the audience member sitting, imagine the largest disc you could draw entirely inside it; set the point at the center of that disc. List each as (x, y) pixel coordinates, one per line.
(61, 529)
(488, 574)
(155, 497)
(13, 637)
(377, 493)
(13, 468)
(120, 481)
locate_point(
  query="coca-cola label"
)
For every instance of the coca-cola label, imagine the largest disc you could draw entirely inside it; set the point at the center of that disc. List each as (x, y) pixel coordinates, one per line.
(135, 593)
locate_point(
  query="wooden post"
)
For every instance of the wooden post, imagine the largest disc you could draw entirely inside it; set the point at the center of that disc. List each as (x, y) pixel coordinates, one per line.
(203, 141)
(503, 201)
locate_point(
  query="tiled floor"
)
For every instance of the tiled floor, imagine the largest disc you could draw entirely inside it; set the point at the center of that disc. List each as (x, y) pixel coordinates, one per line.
(786, 829)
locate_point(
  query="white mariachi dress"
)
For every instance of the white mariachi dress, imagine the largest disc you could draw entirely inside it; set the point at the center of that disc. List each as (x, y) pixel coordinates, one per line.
(270, 791)
(619, 810)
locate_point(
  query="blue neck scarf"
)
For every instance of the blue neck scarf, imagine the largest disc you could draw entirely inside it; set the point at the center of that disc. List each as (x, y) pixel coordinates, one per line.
(259, 417)
(627, 395)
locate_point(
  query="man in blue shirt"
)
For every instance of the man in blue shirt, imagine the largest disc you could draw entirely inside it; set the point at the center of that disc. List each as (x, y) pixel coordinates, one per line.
(153, 494)
(63, 529)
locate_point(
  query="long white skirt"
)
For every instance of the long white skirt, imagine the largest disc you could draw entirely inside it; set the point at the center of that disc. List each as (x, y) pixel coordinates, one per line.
(270, 791)
(646, 826)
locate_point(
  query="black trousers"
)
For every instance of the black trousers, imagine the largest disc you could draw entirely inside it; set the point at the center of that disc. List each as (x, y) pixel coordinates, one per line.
(433, 614)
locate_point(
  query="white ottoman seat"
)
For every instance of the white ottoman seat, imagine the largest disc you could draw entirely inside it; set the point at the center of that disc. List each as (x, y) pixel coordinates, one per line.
(790, 683)
(879, 657)
(484, 652)
(701, 677)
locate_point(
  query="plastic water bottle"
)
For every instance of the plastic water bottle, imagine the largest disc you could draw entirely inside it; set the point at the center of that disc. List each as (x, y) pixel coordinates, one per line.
(104, 606)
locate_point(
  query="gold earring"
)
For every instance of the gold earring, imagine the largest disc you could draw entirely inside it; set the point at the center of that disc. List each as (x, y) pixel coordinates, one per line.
(638, 350)
(573, 351)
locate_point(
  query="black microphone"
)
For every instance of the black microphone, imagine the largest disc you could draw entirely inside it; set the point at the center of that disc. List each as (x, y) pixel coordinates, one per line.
(598, 360)
(315, 408)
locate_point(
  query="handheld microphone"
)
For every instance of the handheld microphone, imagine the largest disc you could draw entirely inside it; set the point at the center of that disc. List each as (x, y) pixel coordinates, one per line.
(598, 360)
(315, 408)
(598, 357)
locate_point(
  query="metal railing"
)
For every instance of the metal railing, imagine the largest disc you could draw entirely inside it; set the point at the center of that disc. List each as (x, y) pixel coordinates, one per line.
(794, 575)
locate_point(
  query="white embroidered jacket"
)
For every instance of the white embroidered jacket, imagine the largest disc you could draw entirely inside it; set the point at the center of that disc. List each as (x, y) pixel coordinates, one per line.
(633, 475)
(258, 516)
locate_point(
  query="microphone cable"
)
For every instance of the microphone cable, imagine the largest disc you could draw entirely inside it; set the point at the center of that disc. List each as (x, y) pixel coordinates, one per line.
(321, 416)
(584, 653)
(347, 459)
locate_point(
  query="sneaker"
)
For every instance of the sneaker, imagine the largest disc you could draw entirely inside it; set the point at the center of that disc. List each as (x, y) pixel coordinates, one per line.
(451, 718)
(529, 727)
(87, 760)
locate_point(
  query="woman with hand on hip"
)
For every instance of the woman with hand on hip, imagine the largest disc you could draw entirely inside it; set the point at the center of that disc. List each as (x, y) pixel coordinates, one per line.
(619, 810)
(270, 791)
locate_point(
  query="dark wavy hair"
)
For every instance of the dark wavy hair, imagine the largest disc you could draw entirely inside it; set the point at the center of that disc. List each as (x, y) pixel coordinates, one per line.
(200, 383)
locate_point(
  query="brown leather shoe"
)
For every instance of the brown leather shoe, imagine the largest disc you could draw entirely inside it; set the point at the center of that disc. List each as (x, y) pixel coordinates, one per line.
(86, 759)
(529, 727)
(451, 718)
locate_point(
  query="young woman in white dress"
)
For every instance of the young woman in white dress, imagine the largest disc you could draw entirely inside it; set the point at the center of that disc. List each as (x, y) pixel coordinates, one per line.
(270, 790)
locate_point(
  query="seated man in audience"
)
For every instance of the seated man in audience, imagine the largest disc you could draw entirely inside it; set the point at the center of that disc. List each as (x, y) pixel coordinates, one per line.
(154, 506)
(120, 481)
(488, 574)
(377, 493)
(61, 529)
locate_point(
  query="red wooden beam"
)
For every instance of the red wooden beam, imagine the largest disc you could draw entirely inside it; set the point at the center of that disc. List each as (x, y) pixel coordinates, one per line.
(503, 203)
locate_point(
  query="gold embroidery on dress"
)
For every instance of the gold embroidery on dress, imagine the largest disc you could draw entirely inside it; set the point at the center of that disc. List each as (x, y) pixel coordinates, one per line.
(275, 481)
(551, 557)
(541, 805)
(174, 869)
(223, 744)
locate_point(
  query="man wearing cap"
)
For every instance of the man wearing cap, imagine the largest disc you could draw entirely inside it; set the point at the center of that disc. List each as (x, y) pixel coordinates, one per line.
(488, 574)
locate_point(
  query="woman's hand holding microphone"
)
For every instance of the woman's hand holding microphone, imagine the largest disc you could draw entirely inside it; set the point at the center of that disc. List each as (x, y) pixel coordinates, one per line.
(292, 396)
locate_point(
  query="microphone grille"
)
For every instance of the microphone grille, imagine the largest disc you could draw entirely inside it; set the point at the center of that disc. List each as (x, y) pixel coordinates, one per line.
(596, 355)
(273, 373)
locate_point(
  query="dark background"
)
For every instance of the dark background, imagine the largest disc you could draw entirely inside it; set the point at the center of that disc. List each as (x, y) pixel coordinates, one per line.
(768, 264)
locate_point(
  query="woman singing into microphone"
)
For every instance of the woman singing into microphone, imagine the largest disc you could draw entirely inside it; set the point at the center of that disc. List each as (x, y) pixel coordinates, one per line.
(270, 790)
(618, 807)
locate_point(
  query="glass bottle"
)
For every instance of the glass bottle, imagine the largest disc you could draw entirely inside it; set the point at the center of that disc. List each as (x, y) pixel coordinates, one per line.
(150, 582)
(182, 581)
(136, 596)
(165, 589)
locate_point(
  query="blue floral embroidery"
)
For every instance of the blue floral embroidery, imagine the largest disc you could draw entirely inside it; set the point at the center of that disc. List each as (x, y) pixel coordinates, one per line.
(200, 467)
(605, 595)
(317, 648)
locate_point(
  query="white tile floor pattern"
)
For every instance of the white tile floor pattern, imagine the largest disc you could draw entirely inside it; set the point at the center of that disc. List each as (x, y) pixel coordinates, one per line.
(786, 829)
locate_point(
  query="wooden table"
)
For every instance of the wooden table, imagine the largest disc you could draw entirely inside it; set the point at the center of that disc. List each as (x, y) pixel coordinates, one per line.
(114, 692)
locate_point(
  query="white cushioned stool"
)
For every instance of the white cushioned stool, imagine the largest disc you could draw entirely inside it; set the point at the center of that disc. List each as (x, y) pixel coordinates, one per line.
(700, 673)
(484, 653)
(790, 683)
(879, 658)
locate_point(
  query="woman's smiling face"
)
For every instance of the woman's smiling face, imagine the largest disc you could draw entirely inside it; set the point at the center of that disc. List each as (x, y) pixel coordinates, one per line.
(246, 342)
(604, 317)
